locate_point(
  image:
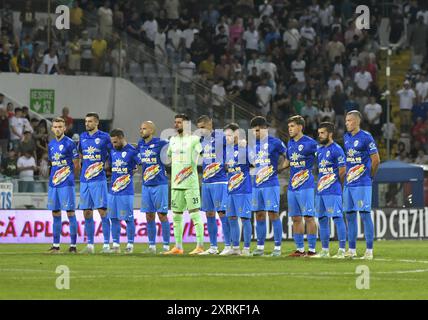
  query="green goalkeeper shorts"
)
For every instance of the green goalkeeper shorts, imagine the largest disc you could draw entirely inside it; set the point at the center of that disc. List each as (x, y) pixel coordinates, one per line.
(185, 199)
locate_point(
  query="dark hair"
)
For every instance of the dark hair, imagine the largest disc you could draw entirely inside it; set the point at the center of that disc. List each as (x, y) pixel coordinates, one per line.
(58, 119)
(182, 116)
(327, 125)
(18, 109)
(204, 118)
(355, 113)
(93, 114)
(24, 108)
(299, 120)
(117, 133)
(231, 126)
(258, 121)
(34, 120)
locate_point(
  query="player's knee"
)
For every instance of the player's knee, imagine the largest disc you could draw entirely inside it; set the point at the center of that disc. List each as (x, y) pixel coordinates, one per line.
(163, 217)
(273, 216)
(221, 214)
(150, 217)
(309, 219)
(87, 214)
(260, 215)
(211, 214)
(56, 213)
(297, 219)
(103, 212)
(70, 213)
(233, 218)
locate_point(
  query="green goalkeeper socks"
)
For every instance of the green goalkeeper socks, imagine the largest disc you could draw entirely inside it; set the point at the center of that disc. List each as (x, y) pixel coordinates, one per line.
(178, 230)
(199, 226)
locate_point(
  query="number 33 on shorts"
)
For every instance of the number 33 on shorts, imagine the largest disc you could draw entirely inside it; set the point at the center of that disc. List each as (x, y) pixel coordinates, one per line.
(185, 199)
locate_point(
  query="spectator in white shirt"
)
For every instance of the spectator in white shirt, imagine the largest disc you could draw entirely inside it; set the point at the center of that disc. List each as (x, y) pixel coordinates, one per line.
(298, 67)
(264, 97)
(372, 112)
(422, 89)
(291, 39)
(362, 79)
(223, 22)
(174, 45)
(311, 115)
(105, 20)
(407, 100)
(189, 35)
(266, 9)
(251, 39)
(333, 82)
(270, 67)
(254, 62)
(172, 9)
(26, 166)
(389, 131)
(187, 69)
(150, 27)
(50, 63)
(218, 94)
(18, 124)
(308, 33)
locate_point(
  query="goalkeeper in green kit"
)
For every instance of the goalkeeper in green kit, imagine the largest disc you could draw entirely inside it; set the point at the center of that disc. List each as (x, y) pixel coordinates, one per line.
(184, 150)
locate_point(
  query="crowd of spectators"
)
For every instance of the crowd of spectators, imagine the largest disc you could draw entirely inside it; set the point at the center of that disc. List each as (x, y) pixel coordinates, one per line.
(279, 57)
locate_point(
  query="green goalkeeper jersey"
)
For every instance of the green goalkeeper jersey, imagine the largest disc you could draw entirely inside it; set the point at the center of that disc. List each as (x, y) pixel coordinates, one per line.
(184, 152)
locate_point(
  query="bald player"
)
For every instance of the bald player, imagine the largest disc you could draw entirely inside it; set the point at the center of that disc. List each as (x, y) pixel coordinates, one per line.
(362, 162)
(154, 192)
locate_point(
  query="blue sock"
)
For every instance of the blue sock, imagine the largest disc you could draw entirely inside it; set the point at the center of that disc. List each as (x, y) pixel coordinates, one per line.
(298, 240)
(324, 231)
(234, 232)
(312, 241)
(341, 231)
(106, 229)
(166, 232)
(212, 230)
(115, 230)
(368, 228)
(130, 230)
(90, 230)
(151, 231)
(226, 230)
(261, 232)
(246, 229)
(73, 229)
(352, 229)
(57, 225)
(277, 232)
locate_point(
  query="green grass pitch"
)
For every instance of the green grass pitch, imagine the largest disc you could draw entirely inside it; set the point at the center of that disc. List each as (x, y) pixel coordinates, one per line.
(399, 271)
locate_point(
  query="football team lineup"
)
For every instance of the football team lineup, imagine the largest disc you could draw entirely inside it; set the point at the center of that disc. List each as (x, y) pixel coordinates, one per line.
(239, 179)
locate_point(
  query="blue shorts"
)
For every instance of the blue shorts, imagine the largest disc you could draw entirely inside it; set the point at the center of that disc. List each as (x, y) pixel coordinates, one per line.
(328, 206)
(121, 207)
(154, 199)
(93, 195)
(214, 197)
(266, 199)
(357, 198)
(63, 198)
(239, 205)
(301, 202)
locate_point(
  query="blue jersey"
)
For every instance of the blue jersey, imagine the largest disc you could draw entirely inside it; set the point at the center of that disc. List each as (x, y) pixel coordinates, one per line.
(358, 149)
(264, 156)
(94, 149)
(213, 150)
(61, 154)
(330, 159)
(123, 163)
(238, 170)
(301, 155)
(154, 173)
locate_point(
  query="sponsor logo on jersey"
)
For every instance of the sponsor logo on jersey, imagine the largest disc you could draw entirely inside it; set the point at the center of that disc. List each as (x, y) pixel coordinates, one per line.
(355, 173)
(299, 178)
(121, 183)
(264, 174)
(211, 170)
(93, 170)
(183, 175)
(61, 175)
(326, 182)
(235, 181)
(151, 172)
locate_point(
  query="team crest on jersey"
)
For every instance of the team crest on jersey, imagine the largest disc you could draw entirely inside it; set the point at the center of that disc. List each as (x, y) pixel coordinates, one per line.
(124, 153)
(264, 174)
(327, 154)
(183, 175)
(265, 146)
(235, 181)
(93, 170)
(299, 178)
(61, 175)
(301, 147)
(152, 146)
(356, 142)
(355, 173)
(360, 203)
(151, 172)
(211, 170)
(61, 147)
(326, 182)
(121, 183)
(97, 140)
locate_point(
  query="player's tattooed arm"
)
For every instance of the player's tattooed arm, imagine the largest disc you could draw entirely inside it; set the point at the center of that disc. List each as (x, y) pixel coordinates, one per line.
(342, 173)
(281, 161)
(375, 163)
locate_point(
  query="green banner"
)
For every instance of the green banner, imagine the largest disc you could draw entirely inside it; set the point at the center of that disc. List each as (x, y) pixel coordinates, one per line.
(42, 101)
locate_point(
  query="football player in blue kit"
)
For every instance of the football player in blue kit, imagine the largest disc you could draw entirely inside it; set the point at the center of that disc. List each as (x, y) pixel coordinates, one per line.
(362, 162)
(328, 199)
(214, 183)
(123, 158)
(265, 155)
(154, 191)
(301, 151)
(239, 190)
(64, 164)
(94, 146)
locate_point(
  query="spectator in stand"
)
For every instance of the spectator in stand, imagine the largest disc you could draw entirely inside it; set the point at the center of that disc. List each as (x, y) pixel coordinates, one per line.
(18, 124)
(98, 54)
(326, 113)
(76, 17)
(338, 100)
(26, 114)
(26, 165)
(187, 69)
(42, 139)
(389, 132)
(311, 114)
(34, 122)
(105, 20)
(350, 103)
(298, 67)
(254, 62)
(208, 66)
(420, 110)
(248, 94)
(298, 103)
(7, 18)
(27, 145)
(14, 61)
(422, 89)
(118, 17)
(333, 83)
(44, 171)
(68, 122)
(86, 53)
(2, 106)
(264, 97)
(9, 165)
(251, 41)
(363, 80)
(407, 100)
(172, 8)
(28, 19)
(372, 113)
(220, 43)
(236, 31)
(308, 34)
(218, 94)
(150, 27)
(4, 131)
(50, 63)
(198, 49)
(10, 110)
(422, 158)
(118, 61)
(74, 58)
(174, 44)
(420, 132)
(223, 70)
(5, 58)
(25, 62)
(189, 35)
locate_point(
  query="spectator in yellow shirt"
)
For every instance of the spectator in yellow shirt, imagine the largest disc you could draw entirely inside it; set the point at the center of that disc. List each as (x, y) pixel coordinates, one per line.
(76, 17)
(99, 49)
(208, 66)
